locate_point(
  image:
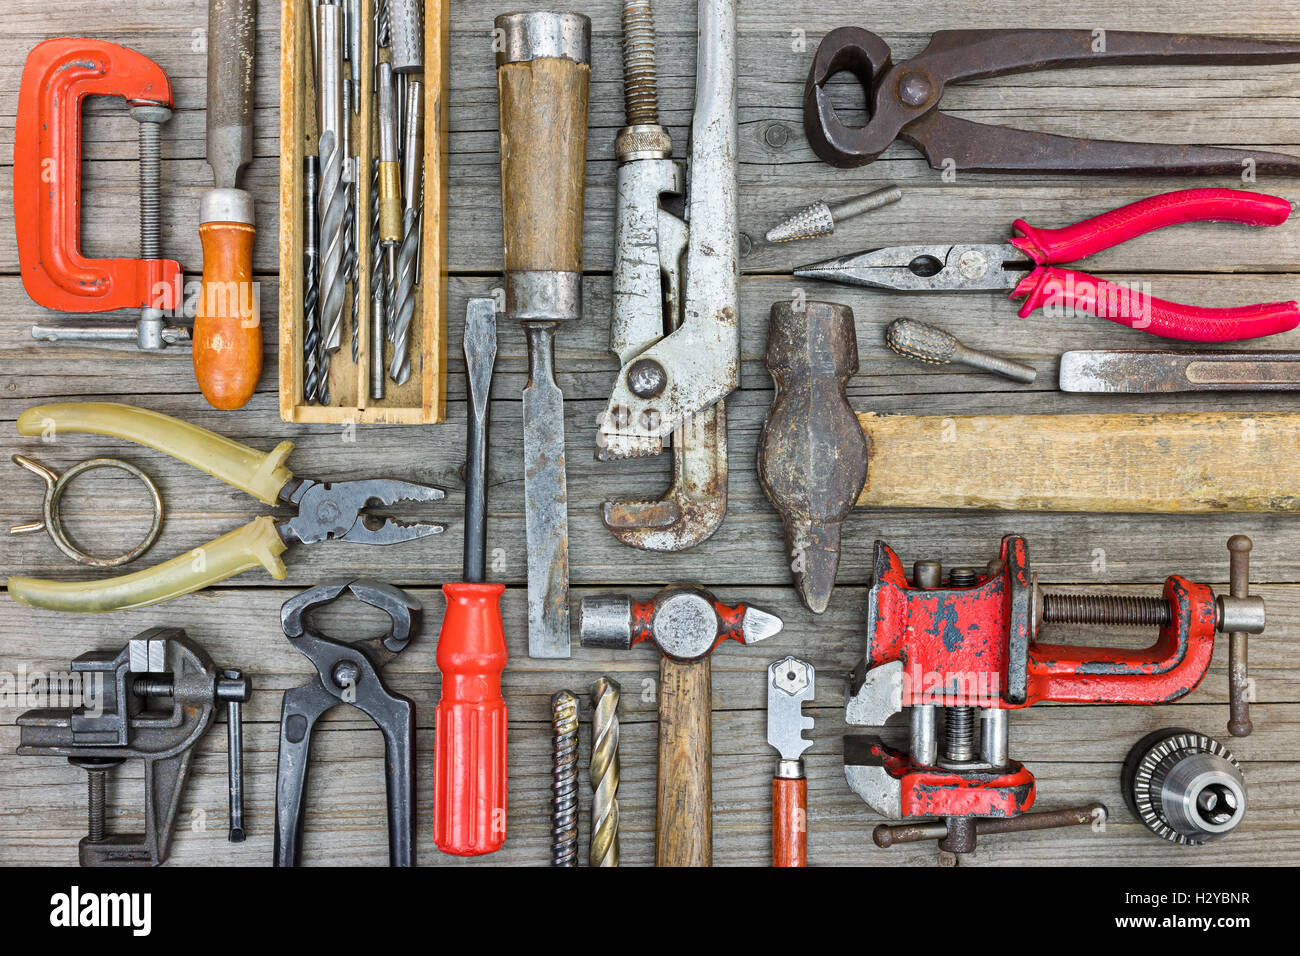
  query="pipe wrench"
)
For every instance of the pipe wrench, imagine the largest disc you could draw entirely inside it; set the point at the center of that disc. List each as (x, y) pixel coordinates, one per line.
(675, 326)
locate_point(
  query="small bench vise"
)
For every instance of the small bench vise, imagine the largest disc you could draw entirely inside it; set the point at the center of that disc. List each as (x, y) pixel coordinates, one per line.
(159, 696)
(968, 645)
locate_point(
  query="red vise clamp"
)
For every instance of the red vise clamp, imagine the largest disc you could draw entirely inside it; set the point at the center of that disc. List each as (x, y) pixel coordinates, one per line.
(58, 75)
(968, 645)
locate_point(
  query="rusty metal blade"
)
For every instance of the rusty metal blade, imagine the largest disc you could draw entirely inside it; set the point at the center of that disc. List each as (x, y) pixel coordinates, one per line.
(232, 39)
(1157, 370)
(546, 501)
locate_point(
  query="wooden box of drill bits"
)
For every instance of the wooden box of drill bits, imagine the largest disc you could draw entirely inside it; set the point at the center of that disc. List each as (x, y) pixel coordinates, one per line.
(363, 235)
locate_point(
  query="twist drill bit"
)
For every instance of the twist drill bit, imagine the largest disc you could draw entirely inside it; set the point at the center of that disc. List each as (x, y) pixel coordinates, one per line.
(354, 257)
(383, 28)
(377, 283)
(333, 202)
(352, 182)
(821, 218)
(403, 293)
(564, 774)
(389, 206)
(311, 376)
(603, 773)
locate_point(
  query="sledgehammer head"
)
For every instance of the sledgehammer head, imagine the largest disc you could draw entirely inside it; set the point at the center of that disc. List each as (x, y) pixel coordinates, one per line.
(812, 457)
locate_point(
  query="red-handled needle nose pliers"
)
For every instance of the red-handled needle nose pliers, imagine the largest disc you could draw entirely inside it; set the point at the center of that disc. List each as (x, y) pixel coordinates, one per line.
(982, 267)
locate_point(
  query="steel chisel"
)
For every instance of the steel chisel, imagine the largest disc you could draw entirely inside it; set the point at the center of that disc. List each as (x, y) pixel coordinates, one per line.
(543, 76)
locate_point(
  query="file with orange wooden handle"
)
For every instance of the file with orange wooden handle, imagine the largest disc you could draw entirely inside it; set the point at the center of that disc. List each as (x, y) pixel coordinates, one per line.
(227, 328)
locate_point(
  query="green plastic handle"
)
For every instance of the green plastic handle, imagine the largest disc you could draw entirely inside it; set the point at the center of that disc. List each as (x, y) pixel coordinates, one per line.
(256, 543)
(260, 474)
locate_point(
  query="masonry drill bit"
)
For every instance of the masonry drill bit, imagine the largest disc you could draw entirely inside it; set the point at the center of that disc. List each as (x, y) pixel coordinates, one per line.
(564, 779)
(403, 293)
(604, 774)
(821, 218)
(311, 376)
(333, 202)
(933, 346)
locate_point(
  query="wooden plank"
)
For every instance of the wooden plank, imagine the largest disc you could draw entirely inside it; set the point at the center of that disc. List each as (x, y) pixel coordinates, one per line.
(1189, 463)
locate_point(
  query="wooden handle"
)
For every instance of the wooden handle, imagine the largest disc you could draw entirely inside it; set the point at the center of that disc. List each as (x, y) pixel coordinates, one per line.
(227, 328)
(543, 114)
(684, 808)
(1167, 463)
(789, 821)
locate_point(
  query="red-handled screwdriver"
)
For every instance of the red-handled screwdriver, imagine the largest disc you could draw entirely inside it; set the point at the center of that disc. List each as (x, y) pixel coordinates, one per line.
(469, 775)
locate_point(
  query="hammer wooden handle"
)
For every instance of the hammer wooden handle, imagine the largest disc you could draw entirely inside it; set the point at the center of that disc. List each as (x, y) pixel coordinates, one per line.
(227, 329)
(1103, 463)
(684, 807)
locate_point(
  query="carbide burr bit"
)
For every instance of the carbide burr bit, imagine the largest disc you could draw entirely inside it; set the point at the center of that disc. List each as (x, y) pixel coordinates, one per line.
(604, 773)
(311, 376)
(820, 218)
(333, 201)
(403, 294)
(564, 779)
(934, 346)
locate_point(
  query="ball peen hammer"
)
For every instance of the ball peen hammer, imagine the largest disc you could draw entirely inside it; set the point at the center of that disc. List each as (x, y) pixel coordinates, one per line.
(685, 624)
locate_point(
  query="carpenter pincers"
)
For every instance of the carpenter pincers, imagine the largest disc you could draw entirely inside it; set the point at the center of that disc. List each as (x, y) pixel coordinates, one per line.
(348, 673)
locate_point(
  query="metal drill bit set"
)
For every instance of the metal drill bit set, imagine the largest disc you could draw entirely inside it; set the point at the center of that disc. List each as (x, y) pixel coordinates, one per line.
(362, 198)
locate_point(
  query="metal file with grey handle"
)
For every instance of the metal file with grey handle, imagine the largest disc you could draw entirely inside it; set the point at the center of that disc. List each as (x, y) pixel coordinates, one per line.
(1144, 371)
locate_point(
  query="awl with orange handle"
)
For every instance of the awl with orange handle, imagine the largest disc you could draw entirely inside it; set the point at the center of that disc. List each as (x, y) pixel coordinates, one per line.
(469, 785)
(227, 328)
(790, 682)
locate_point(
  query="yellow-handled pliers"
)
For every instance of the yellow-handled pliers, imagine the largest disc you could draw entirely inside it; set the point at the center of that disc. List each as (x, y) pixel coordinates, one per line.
(327, 511)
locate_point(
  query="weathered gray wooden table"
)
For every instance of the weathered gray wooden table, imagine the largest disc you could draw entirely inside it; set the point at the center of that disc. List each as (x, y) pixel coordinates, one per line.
(1074, 750)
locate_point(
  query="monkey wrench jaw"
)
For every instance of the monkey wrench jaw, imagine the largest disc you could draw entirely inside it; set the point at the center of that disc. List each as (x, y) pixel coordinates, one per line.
(696, 500)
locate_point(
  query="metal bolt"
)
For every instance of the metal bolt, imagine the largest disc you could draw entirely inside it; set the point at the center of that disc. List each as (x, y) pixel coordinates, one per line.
(646, 378)
(640, 97)
(345, 674)
(234, 689)
(776, 135)
(959, 734)
(97, 790)
(1239, 723)
(915, 90)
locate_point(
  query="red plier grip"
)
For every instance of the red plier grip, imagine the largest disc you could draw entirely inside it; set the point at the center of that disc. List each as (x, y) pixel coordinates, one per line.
(1072, 243)
(1081, 292)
